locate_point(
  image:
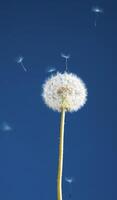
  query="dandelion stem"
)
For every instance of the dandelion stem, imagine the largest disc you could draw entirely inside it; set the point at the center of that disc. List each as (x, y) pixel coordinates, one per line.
(60, 162)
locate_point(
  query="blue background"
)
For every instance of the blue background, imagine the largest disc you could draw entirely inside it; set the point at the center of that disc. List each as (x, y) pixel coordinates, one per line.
(40, 31)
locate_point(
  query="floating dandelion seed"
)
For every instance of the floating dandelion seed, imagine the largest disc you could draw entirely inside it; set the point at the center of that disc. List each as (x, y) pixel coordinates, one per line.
(97, 11)
(19, 60)
(69, 180)
(63, 93)
(51, 69)
(5, 127)
(66, 57)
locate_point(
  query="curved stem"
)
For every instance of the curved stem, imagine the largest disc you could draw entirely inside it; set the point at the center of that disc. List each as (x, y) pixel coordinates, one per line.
(60, 162)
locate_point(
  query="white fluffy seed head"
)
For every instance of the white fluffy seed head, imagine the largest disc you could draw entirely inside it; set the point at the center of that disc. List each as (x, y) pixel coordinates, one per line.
(64, 91)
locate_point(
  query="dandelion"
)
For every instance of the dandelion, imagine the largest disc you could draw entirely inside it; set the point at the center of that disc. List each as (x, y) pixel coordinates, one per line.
(63, 93)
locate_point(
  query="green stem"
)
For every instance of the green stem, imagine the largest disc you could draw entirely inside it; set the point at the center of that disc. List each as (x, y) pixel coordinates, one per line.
(60, 162)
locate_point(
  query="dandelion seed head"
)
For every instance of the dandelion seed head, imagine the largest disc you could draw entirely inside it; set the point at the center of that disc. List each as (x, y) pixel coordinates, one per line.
(64, 91)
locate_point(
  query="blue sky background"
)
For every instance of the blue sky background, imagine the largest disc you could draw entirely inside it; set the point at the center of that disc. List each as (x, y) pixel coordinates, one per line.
(40, 31)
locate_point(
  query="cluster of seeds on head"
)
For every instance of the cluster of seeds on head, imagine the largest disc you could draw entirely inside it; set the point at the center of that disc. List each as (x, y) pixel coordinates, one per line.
(63, 92)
